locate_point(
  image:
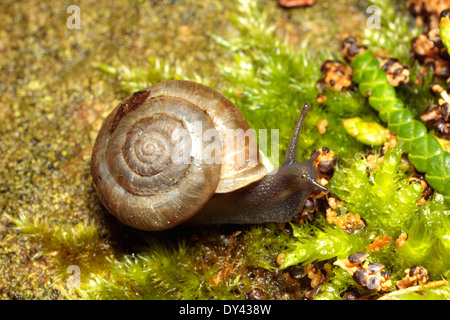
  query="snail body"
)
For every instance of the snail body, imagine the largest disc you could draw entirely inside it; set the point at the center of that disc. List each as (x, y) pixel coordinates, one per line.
(139, 182)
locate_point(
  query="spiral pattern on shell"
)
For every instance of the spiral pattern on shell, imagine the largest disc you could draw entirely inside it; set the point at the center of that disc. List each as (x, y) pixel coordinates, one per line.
(141, 154)
(137, 162)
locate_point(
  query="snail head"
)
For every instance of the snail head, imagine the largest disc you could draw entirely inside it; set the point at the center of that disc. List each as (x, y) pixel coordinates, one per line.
(305, 172)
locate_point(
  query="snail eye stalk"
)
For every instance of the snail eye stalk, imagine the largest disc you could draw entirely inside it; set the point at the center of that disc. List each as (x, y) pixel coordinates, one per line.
(291, 153)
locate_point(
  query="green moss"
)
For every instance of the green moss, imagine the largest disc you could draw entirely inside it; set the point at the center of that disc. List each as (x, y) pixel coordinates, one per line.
(417, 97)
(348, 104)
(339, 283)
(441, 293)
(221, 266)
(75, 239)
(264, 243)
(383, 197)
(135, 78)
(271, 80)
(158, 272)
(428, 235)
(321, 244)
(395, 32)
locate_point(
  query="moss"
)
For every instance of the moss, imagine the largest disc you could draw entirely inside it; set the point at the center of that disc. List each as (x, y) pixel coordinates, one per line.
(223, 265)
(314, 244)
(271, 79)
(149, 275)
(339, 283)
(76, 242)
(383, 197)
(442, 293)
(53, 100)
(396, 30)
(418, 97)
(263, 58)
(427, 243)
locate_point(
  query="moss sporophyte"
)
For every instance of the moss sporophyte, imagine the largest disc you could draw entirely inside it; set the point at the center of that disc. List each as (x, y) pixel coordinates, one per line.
(382, 230)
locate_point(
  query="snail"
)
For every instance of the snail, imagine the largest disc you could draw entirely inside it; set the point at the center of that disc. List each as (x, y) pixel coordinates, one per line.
(139, 182)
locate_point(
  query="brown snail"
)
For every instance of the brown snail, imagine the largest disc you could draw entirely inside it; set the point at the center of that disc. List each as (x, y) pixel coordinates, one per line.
(139, 182)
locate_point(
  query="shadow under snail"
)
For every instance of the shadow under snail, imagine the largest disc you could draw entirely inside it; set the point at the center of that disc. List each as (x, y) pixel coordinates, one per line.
(139, 183)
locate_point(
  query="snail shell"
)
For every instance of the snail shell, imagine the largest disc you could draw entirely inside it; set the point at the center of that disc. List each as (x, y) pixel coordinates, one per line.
(132, 161)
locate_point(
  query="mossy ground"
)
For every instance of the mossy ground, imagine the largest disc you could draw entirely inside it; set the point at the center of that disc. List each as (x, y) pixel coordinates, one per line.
(54, 96)
(52, 99)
